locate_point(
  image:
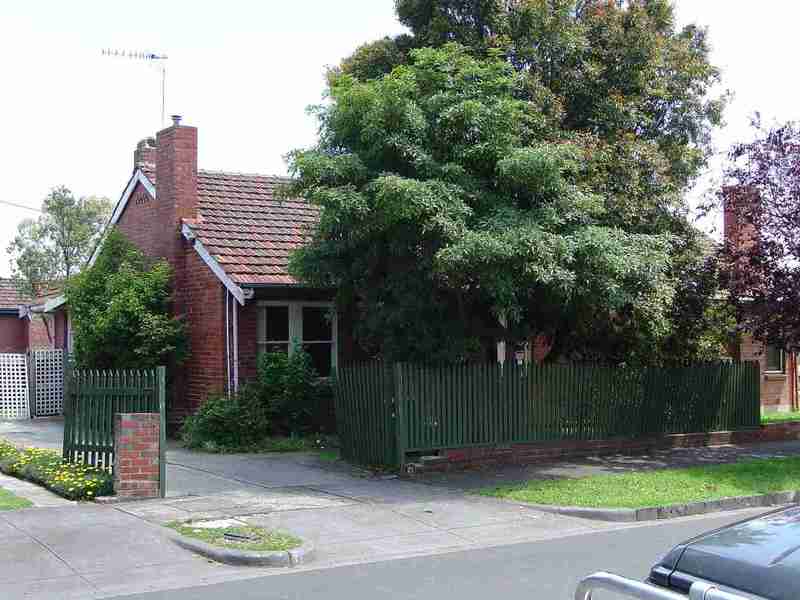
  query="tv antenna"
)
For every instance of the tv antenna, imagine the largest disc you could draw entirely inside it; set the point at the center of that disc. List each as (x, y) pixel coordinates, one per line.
(153, 58)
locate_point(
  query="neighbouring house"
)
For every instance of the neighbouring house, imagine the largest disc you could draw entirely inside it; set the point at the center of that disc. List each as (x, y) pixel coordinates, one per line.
(32, 324)
(780, 378)
(227, 237)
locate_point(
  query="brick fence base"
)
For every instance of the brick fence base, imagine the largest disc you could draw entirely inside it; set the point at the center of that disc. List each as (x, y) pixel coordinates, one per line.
(521, 454)
(136, 455)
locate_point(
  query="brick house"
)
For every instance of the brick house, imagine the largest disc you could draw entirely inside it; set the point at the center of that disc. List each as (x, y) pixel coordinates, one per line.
(228, 239)
(26, 324)
(780, 378)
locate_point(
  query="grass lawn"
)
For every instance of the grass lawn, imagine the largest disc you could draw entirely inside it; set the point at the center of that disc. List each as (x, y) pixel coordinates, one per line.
(662, 487)
(264, 540)
(780, 417)
(9, 501)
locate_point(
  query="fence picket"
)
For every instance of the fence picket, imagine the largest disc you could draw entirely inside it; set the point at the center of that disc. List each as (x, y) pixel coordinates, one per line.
(93, 398)
(383, 410)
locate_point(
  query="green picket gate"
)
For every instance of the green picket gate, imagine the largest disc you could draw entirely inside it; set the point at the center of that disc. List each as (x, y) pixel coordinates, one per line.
(93, 397)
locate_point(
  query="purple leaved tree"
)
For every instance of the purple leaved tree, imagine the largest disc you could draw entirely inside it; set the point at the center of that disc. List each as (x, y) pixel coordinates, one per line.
(761, 254)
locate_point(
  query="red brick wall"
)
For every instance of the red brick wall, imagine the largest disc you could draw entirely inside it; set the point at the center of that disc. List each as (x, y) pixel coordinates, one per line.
(776, 388)
(41, 334)
(140, 223)
(204, 371)
(13, 334)
(154, 225)
(136, 455)
(60, 329)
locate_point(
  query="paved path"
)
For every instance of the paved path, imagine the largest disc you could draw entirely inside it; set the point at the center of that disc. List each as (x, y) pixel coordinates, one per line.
(543, 570)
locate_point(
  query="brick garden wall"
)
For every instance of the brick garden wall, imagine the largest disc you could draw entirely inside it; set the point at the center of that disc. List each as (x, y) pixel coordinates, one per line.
(136, 455)
(521, 454)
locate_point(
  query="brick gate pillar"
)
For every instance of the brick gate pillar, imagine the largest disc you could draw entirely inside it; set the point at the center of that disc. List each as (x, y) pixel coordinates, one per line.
(136, 455)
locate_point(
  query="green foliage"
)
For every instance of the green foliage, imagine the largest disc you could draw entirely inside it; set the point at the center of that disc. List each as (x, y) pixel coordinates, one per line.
(290, 388)
(54, 246)
(258, 538)
(287, 399)
(74, 481)
(450, 208)
(533, 174)
(662, 487)
(9, 501)
(232, 423)
(120, 311)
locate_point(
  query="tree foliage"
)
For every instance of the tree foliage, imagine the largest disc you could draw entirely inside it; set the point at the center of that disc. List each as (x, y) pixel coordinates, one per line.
(762, 253)
(120, 311)
(55, 246)
(513, 168)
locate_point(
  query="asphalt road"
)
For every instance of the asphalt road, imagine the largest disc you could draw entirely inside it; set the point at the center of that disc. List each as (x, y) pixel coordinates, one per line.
(532, 571)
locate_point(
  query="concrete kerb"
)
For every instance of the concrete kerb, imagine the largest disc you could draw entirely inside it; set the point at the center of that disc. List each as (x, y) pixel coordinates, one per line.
(247, 558)
(674, 511)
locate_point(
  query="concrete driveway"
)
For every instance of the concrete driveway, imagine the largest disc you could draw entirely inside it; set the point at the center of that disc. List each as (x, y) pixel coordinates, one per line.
(198, 473)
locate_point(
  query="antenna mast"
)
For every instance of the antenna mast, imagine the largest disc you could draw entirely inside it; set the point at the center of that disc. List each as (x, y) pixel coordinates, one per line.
(154, 59)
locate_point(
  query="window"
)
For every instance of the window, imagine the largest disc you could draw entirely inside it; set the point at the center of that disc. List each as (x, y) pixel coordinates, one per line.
(776, 360)
(312, 324)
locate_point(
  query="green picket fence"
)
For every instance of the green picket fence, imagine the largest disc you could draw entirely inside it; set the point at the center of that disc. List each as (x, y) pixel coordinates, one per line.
(385, 412)
(91, 400)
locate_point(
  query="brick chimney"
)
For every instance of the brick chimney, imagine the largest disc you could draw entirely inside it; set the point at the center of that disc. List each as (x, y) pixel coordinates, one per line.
(738, 227)
(144, 157)
(176, 188)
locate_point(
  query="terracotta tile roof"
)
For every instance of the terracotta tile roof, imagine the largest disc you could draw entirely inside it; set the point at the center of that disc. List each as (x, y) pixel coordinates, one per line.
(247, 229)
(9, 296)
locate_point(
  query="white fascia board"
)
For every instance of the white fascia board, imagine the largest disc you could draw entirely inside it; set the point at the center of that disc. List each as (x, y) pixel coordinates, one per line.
(55, 303)
(212, 263)
(136, 178)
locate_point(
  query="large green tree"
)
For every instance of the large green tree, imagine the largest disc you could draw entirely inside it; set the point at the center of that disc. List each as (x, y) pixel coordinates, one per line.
(525, 175)
(57, 244)
(120, 311)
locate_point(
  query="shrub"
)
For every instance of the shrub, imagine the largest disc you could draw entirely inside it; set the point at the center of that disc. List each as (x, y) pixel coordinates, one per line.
(286, 399)
(297, 399)
(287, 388)
(47, 468)
(120, 311)
(224, 423)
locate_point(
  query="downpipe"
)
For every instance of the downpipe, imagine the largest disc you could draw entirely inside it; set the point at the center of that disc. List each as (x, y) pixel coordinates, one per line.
(644, 591)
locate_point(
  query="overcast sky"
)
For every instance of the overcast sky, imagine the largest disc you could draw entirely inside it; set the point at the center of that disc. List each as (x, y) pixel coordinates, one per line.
(243, 72)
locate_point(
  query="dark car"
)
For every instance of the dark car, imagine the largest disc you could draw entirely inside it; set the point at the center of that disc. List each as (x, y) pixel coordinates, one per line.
(758, 558)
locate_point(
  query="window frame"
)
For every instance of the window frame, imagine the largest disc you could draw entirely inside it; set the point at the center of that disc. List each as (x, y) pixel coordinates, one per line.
(782, 357)
(295, 309)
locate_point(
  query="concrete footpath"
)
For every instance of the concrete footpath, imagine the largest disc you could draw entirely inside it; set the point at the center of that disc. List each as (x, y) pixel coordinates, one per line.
(352, 517)
(97, 551)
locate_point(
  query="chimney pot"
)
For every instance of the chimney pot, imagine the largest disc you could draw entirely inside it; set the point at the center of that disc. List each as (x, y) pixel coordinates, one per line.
(176, 119)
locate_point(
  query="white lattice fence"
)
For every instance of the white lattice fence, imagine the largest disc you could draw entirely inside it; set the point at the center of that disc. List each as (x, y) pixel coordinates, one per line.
(14, 386)
(48, 375)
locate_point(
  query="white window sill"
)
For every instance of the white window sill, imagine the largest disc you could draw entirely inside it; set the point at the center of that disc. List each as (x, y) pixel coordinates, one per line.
(775, 376)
